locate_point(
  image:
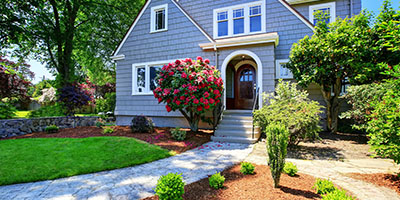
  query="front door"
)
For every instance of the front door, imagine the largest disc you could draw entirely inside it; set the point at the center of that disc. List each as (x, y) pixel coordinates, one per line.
(245, 81)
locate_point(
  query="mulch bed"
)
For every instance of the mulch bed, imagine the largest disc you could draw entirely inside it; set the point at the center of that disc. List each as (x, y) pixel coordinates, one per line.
(256, 186)
(385, 180)
(160, 137)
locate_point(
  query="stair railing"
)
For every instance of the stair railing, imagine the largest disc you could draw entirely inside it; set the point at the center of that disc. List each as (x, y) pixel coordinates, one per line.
(255, 106)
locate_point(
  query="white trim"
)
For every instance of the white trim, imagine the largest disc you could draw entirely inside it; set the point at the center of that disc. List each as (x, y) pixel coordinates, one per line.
(259, 70)
(300, 1)
(297, 14)
(118, 57)
(246, 17)
(131, 28)
(153, 18)
(147, 66)
(278, 65)
(244, 40)
(194, 23)
(330, 5)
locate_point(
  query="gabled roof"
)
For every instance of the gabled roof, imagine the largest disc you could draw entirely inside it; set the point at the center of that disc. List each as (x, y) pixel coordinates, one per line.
(115, 53)
(297, 14)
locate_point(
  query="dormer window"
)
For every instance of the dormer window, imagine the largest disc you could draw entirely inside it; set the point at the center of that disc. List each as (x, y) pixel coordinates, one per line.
(239, 20)
(327, 8)
(159, 18)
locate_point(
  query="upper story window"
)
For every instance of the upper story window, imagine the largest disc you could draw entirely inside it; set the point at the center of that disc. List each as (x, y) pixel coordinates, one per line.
(159, 18)
(239, 20)
(282, 72)
(328, 8)
(144, 77)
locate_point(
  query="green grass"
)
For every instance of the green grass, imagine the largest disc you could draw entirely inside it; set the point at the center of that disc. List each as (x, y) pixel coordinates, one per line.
(35, 159)
(21, 114)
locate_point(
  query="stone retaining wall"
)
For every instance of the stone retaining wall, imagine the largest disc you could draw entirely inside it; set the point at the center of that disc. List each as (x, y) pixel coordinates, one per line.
(15, 127)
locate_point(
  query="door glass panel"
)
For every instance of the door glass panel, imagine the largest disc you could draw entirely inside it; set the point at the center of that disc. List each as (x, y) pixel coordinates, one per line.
(246, 84)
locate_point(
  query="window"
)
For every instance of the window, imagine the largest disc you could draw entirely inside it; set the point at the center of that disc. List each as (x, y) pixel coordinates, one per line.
(223, 23)
(159, 18)
(239, 20)
(282, 72)
(143, 77)
(327, 8)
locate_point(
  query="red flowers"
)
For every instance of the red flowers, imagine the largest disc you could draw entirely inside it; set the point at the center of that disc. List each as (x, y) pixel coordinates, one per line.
(184, 75)
(171, 73)
(199, 108)
(216, 92)
(206, 94)
(196, 101)
(168, 108)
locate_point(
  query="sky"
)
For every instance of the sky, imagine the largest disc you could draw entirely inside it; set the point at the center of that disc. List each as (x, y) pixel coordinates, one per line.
(371, 5)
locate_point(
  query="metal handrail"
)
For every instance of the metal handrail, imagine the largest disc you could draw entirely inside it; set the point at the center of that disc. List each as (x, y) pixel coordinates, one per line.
(255, 103)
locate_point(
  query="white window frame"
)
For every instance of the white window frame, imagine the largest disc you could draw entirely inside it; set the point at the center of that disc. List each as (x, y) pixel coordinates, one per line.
(330, 5)
(153, 18)
(278, 64)
(147, 66)
(246, 8)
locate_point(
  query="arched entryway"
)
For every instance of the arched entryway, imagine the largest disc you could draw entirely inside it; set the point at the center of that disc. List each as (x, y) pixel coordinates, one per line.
(241, 72)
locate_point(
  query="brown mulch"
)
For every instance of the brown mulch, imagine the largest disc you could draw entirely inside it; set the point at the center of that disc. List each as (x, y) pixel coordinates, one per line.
(256, 186)
(160, 136)
(385, 180)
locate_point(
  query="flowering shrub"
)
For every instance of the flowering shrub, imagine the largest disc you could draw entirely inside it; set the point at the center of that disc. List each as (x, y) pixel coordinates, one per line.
(73, 97)
(192, 87)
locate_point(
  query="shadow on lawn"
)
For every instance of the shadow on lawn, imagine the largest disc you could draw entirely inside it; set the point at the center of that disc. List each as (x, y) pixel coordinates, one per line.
(315, 153)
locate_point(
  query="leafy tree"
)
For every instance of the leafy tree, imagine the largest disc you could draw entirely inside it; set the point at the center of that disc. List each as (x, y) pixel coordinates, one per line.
(192, 87)
(74, 97)
(14, 79)
(67, 35)
(339, 51)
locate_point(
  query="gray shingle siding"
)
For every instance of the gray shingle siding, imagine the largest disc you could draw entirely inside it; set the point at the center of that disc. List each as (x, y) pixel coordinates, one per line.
(342, 7)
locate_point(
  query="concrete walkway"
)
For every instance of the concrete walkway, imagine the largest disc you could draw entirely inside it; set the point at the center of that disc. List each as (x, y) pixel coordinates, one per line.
(133, 182)
(336, 170)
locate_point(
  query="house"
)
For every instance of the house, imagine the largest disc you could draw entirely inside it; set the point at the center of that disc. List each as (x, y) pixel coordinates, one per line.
(248, 41)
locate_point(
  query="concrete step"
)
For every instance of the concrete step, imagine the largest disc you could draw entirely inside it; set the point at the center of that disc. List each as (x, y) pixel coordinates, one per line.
(234, 139)
(238, 112)
(242, 122)
(237, 117)
(237, 133)
(236, 127)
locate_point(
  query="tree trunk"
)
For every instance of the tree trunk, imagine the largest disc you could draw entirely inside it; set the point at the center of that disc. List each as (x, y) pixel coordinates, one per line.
(332, 104)
(192, 119)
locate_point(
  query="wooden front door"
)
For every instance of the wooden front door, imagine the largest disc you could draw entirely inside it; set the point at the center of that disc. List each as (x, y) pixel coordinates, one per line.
(245, 81)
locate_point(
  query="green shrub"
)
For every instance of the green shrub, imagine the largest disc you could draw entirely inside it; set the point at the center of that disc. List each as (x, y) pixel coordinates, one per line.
(178, 134)
(48, 111)
(383, 125)
(142, 124)
(247, 168)
(216, 181)
(107, 104)
(337, 195)
(291, 107)
(100, 122)
(323, 186)
(51, 129)
(290, 169)
(7, 111)
(277, 142)
(170, 187)
(107, 130)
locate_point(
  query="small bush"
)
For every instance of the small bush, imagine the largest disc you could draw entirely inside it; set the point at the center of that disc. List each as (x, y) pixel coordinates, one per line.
(247, 168)
(142, 124)
(292, 108)
(216, 181)
(290, 169)
(51, 129)
(100, 122)
(178, 134)
(107, 130)
(107, 104)
(323, 186)
(337, 195)
(170, 187)
(48, 111)
(277, 142)
(7, 111)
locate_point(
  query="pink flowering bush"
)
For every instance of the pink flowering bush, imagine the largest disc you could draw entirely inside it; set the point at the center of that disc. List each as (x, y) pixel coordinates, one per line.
(192, 87)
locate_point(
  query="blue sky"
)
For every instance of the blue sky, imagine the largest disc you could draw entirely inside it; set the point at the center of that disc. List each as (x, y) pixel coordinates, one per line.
(371, 5)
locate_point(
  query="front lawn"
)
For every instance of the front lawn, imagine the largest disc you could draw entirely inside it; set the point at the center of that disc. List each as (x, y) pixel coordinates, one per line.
(34, 159)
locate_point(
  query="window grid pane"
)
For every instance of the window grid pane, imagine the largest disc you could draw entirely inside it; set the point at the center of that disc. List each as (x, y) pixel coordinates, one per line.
(255, 23)
(153, 74)
(238, 26)
(160, 19)
(223, 28)
(141, 79)
(255, 10)
(238, 13)
(223, 16)
(326, 11)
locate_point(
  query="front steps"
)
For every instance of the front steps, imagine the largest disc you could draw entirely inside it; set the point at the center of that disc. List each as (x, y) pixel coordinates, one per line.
(236, 126)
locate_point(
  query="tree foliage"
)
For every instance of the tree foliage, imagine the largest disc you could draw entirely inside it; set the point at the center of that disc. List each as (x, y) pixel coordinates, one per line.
(340, 51)
(14, 79)
(192, 87)
(69, 36)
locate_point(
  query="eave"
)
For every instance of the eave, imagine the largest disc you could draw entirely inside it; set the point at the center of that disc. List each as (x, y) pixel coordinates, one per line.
(263, 38)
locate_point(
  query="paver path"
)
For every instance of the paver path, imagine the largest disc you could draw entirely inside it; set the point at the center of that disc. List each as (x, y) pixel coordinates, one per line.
(133, 182)
(335, 171)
